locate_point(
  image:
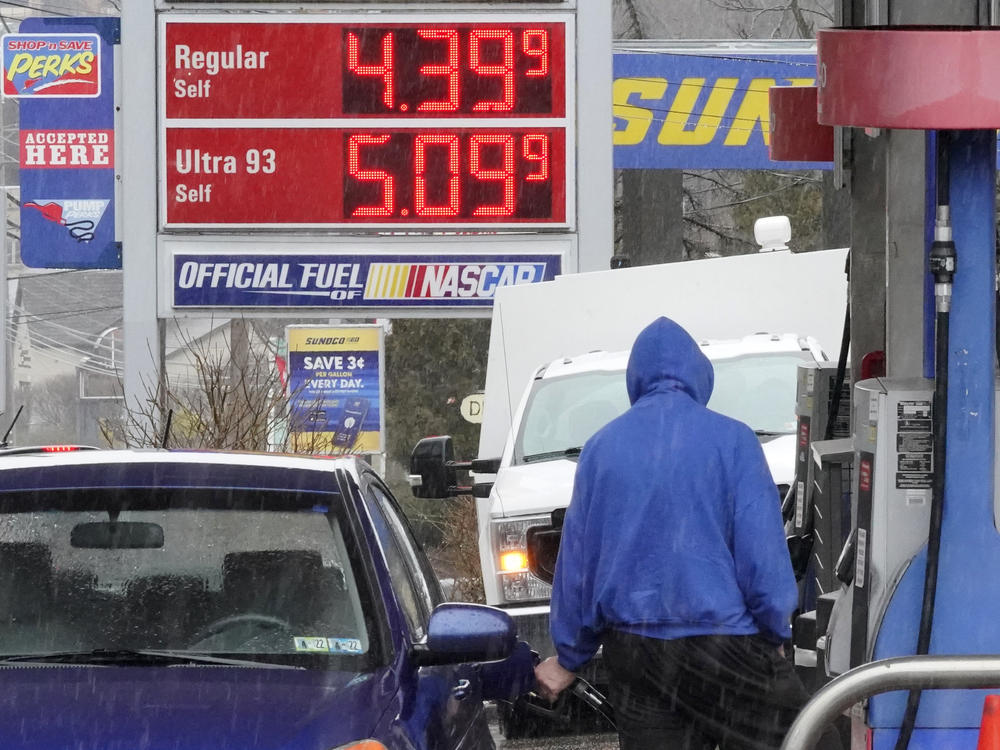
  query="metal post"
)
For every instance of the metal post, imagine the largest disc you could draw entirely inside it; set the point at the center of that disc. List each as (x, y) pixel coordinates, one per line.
(594, 173)
(138, 172)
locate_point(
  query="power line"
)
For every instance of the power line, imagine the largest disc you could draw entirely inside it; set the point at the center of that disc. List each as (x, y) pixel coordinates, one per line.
(45, 273)
(14, 4)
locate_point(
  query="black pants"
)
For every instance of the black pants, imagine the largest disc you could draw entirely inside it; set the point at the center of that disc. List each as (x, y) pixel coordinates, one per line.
(734, 692)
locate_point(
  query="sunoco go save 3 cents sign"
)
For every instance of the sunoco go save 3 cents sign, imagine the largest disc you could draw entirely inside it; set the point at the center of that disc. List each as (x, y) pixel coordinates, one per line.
(448, 121)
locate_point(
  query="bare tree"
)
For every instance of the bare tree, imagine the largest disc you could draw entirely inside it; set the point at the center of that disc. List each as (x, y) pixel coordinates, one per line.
(794, 19)
(225, 396)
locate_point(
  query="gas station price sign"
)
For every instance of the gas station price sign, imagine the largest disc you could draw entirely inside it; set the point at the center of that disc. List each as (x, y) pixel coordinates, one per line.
(438, 121)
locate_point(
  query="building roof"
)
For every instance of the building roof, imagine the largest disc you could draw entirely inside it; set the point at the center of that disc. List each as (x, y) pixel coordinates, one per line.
(69, 309)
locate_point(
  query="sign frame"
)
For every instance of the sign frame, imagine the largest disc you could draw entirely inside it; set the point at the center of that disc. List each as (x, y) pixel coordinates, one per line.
(565, 16)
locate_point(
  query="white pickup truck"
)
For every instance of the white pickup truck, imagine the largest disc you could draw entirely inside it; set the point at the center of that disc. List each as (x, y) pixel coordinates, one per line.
(567, 401)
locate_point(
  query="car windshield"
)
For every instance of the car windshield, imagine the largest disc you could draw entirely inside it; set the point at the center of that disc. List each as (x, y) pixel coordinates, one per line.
(563, 412)
(247, 580)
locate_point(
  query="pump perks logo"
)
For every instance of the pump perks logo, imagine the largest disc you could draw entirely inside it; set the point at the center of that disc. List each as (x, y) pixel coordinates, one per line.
(51, 65)
(80, 217)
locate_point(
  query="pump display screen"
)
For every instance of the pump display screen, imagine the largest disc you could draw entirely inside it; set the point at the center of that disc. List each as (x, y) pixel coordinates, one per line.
(445, 120)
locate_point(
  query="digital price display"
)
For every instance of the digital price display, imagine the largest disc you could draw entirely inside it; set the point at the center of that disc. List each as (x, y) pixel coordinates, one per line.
(364, 176)
(461, 69)
(445, 121)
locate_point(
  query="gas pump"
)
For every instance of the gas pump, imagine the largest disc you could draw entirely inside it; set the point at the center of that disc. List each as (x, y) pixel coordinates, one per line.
(924, 547)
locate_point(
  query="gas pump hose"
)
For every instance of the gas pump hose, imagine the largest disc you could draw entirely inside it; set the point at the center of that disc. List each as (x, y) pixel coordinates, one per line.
(942, 266)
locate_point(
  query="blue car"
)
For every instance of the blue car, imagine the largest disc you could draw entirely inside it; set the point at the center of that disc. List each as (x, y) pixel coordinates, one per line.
(195, 601)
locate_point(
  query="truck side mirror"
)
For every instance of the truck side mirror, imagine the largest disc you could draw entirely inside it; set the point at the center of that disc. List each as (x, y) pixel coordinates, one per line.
(431, 470)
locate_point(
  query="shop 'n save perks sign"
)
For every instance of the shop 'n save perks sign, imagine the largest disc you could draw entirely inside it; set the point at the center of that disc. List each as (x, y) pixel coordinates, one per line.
(46, 65)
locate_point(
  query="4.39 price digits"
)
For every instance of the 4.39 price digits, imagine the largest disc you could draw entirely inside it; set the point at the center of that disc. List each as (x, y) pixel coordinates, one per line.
(443, 70)
(447, 176)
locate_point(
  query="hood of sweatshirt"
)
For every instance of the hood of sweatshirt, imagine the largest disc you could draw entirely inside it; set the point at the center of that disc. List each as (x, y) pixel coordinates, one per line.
(665, 358)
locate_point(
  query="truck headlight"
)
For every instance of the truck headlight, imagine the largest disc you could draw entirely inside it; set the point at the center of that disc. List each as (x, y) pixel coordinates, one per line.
(513, 562)
(510, 552)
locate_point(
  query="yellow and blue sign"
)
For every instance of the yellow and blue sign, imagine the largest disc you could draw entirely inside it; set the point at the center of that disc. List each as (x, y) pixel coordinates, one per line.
(701, 111)
(335, 386)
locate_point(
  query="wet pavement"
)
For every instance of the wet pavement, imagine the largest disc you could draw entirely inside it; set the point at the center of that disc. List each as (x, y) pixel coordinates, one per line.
(591, 741)
(573, 742)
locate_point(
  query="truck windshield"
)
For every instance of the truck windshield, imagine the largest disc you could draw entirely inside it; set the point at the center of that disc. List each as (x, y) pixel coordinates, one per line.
(563, 412)
(758, 390)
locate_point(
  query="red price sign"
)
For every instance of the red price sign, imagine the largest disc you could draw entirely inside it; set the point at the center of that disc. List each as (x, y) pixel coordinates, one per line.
(451, 122)
(332, 176)
(324, 70)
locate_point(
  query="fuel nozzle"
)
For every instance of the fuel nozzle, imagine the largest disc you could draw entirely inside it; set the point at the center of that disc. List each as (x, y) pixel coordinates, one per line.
(943, 259)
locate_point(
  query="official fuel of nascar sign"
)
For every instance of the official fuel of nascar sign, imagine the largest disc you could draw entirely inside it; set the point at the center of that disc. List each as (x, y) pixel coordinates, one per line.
(335, 378)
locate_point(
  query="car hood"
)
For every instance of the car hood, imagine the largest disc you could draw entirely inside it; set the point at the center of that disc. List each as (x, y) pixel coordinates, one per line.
(780, 455)
(185, 708)
(539, 487)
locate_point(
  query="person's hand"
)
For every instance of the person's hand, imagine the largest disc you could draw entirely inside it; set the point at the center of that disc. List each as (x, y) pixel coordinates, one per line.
(552, 678)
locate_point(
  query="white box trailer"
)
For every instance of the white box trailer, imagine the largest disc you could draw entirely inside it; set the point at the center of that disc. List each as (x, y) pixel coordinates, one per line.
(715, 298)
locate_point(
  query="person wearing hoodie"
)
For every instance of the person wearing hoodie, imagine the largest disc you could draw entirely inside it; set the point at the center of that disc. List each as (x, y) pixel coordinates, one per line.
(673, 557)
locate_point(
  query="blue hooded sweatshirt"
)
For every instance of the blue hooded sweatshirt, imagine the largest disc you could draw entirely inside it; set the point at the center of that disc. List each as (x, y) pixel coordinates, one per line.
(674, 528)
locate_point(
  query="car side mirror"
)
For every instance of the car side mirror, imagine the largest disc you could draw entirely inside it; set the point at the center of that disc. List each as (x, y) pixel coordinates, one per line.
(459, 632)
(431, 467)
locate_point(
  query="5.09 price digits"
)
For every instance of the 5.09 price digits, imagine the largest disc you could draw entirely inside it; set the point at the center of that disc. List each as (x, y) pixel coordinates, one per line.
(446, 176)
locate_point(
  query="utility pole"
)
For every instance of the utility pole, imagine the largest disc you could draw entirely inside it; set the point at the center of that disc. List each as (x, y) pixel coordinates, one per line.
(141, 331)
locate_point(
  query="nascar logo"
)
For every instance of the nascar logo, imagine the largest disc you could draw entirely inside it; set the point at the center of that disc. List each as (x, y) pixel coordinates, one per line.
(388, 281)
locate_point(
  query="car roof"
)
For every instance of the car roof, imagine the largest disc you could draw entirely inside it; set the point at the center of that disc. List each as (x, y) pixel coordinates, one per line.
(714, 349)
(159, 468)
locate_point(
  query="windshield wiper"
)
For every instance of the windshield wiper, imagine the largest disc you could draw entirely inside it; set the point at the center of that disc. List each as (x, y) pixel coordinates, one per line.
(567, 453)
(136, 657)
